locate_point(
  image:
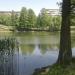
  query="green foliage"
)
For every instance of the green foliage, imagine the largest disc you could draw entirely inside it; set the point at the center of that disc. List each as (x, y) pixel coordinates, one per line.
(44, 18)
(23, 18)
(28, 20)
(46, 21)
(72, 19)
(38, 23)
(55, 22)
(62, 70)
(72, 12)
(14, 19)
(31, 19)
(5, 19)
(7, 50)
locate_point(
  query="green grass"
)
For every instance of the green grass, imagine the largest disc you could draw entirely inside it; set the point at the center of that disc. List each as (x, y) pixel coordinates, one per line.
(6, 28)
(62, 70)
(58, 69)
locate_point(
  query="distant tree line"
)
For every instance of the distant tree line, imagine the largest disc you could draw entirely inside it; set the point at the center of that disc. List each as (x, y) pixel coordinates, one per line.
(27, 19)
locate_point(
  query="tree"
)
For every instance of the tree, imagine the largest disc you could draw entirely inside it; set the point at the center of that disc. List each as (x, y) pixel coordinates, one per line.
(31, 18)
(14, 21)
(47, 21)
(56, 22)
(38, 23)
(65, 53)
(43, 20)
(12, 18)
(8, 20)
(5, 19)
(23, 18)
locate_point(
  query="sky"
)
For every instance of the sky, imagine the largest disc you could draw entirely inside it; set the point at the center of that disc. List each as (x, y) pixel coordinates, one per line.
(36, 5)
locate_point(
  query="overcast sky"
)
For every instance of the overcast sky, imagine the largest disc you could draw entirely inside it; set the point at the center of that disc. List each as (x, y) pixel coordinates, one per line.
(36, 5)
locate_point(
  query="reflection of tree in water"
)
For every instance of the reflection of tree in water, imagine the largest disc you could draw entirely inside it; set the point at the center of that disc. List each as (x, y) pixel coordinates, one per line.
(48, 47)
(27, 48)
(37, 50)
(7, 49)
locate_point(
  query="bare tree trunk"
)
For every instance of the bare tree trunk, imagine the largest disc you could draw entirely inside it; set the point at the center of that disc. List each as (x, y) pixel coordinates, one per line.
(65, 53)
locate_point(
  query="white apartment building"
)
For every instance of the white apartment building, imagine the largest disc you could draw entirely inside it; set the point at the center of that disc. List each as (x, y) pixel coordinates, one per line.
(53, 12)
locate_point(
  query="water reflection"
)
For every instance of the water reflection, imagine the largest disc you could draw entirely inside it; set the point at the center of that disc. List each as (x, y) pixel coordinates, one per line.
(36, 59)
(37, 50)
(31, 50)
(26, 49)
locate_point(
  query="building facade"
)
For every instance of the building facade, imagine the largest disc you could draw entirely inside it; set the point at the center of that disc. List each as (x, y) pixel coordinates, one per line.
(52, 12)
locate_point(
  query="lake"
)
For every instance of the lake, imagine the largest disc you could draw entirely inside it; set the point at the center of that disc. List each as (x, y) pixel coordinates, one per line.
(36, 50)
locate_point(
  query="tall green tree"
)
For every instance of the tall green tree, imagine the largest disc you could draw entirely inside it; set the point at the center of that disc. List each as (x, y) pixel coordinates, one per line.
(43, 19)
(23, 18)
(5, 19)
(65, 52)
(31, 19)
(38, 22)
(56, 22)
(13, 19)
(16, 20)
(8, 20)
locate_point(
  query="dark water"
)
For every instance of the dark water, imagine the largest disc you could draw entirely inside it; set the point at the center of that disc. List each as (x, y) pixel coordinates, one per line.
(36, 50)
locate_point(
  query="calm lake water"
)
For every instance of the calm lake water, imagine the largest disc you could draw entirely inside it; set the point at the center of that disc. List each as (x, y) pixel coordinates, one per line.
(36, 50)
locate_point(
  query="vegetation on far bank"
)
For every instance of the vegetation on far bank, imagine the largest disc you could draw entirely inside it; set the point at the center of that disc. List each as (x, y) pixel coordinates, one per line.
(4, 28)
(26, 20)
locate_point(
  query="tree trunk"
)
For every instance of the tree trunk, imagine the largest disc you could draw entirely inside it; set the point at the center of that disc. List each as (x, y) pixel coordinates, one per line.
(65, 53)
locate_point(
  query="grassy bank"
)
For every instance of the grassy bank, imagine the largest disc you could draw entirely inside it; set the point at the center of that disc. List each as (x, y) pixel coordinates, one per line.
(4, 28)
(62, 70)
(58, 69)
